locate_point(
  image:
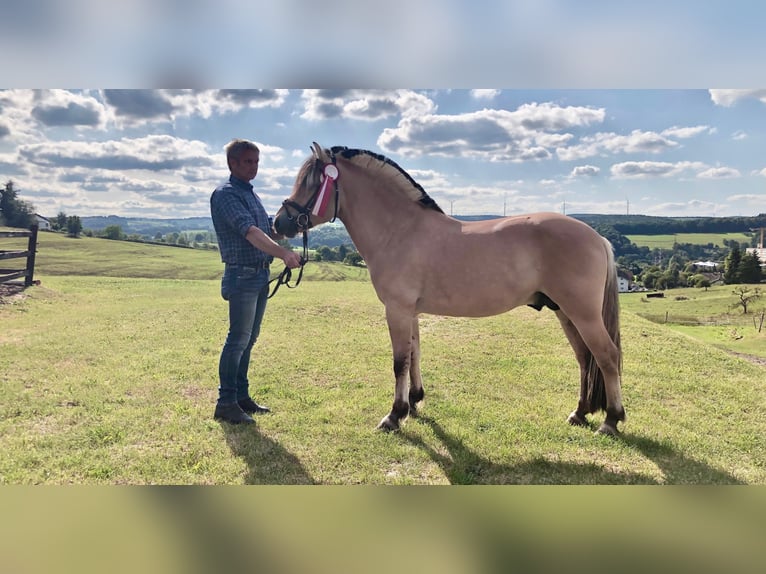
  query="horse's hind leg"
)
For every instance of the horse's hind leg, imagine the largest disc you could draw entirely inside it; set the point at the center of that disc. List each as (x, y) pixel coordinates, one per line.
(416, 381)
(400, 328)
(607, 357)
(578, 416)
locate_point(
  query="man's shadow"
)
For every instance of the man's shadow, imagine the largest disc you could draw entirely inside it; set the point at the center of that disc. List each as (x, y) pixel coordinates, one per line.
(463, 466)
(267, 461)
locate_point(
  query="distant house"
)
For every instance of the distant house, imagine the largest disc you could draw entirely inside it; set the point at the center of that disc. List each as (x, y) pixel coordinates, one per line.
(705, 265)
(760, 252)
(624, 281)
(43, 223)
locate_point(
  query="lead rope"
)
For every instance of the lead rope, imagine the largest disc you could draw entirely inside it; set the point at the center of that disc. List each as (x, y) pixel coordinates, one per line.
(287, 273)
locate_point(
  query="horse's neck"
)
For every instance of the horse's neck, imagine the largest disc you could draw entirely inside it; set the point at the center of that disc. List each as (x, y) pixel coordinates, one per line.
(375, 216)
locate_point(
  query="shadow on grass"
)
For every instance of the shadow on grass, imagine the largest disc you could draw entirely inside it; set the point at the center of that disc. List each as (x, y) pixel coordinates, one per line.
(463, 466)
(267, 461)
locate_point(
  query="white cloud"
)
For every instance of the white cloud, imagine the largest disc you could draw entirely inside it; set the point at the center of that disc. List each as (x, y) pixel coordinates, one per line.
(719, 173)
(728, 98)
(369, 105)
(650, 169)
(485, 94)
(684, 132)
(610, 143)
(739, 135)
(585, 170)
(489, 134)
(153, 152)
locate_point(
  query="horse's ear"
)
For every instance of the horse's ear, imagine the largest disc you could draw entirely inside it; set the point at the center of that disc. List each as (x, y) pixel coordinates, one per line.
(319, 153)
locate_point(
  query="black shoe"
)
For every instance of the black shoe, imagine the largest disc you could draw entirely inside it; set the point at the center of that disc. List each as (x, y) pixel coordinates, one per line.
(251, 407)
(232, 414)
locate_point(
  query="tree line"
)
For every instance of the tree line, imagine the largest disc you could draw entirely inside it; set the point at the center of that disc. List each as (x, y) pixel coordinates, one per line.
(658, 268)
(655, 225)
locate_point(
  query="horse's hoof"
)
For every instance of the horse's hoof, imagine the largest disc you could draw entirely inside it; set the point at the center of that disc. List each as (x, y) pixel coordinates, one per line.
(388, 424)
(608, 430)
(576, 420)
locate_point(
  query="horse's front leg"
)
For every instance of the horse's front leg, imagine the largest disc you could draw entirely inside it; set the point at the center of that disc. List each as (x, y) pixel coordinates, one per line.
(416, 381)
(400, 328)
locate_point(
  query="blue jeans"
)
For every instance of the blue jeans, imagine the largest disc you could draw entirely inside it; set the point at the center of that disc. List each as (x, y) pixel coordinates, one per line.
(247, 291)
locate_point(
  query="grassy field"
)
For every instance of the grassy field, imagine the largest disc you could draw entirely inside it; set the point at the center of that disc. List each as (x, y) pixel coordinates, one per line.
(108, 376)
(667, 241)
(711, 316)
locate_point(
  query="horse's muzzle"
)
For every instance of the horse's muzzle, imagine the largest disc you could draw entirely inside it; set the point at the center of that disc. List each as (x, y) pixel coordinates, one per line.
(285, 225)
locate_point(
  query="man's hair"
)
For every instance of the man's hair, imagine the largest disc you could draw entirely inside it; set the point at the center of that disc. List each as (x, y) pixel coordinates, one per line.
(235, 148)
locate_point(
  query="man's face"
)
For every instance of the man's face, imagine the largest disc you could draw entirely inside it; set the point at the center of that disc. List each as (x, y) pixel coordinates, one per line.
(246, 167)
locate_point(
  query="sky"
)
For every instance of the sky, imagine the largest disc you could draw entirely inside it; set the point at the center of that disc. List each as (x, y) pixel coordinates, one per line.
(592, 106)
(159, 153)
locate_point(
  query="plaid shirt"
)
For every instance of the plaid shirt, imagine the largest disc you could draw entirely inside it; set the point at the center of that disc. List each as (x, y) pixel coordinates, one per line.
(235, 207)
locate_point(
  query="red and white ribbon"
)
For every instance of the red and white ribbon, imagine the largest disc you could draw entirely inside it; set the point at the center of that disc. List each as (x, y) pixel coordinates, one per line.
(330, 175)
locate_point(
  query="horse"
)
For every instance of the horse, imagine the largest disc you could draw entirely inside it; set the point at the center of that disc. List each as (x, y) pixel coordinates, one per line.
(421, 260)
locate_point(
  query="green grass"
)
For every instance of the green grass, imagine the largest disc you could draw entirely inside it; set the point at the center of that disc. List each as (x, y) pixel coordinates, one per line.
(666, 241)
(112, 380)
(58, 254)
(710, 316)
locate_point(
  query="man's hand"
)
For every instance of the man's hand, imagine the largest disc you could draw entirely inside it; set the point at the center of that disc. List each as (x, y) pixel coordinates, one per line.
(292, 259)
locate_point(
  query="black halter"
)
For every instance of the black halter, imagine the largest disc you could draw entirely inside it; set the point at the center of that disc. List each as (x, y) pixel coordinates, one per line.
(302, 219)
(302, 222)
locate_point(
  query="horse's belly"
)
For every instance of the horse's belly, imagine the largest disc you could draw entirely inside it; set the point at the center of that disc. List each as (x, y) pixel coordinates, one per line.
(469, 305)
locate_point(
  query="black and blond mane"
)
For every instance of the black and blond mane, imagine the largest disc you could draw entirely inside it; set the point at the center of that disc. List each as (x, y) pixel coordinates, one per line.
(366, 158)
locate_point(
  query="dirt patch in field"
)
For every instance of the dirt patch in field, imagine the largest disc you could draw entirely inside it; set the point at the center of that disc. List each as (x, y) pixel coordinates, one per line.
(752, 358)
(11, 293)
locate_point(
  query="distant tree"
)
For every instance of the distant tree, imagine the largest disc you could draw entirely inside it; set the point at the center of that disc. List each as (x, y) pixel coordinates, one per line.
(750, 269)
(746, 295)
(325, 253)
(354, 259)
(73, 225)
(650, 278)
(60, 221)
(731, 264)
(700, 281)
(13, 211)
(113, 232)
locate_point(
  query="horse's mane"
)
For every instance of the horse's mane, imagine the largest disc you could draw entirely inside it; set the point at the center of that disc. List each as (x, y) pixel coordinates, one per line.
(366, 158)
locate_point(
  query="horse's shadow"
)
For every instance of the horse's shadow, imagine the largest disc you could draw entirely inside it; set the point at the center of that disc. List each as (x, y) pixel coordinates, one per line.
(267, 461)
(463, 466)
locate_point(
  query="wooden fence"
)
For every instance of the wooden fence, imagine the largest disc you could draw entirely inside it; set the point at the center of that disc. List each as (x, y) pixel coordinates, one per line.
(29, 270)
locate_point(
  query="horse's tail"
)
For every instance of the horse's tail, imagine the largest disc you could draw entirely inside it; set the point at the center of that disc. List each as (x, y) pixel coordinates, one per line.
(610, 313)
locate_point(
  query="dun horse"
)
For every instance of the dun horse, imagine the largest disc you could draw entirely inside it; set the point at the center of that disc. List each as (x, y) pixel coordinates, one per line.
(421, 260)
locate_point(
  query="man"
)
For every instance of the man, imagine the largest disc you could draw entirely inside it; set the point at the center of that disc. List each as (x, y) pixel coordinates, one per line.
(247, 246)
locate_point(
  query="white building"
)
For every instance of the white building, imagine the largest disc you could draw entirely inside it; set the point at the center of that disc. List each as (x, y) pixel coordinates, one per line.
(42, 222)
